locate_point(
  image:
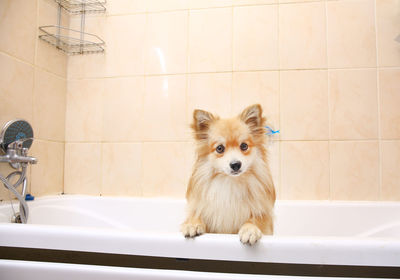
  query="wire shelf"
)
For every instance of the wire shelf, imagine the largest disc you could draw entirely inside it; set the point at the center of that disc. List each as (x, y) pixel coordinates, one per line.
(82, 6)
(71, 41)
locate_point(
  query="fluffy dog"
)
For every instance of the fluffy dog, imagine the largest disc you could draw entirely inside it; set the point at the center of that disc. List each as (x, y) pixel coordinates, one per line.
(231, 188)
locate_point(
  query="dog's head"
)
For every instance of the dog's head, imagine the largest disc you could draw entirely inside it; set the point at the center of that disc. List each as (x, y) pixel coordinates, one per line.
(230, 145)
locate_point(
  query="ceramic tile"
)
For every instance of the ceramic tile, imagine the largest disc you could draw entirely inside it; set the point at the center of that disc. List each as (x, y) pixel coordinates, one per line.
(201, 4)
(18, 28)
(389, 91)
(274, 160)
(257, 87)
(355, 170)
(166, 50)
(302, 36)
(121, 169)
(305, 170)
(210, 92)
(163, 117)
(125, 37)
(304, 105)
(353, 104)
(210, 40)
(124, 50)
(47, 56)
(49, 105)
(390, 170)
(16, 89)
(51, 59)
(82, 172)
(84, 110)
(388, 26)
(166, 5)
(48, 174)
(118, 7)
(253, 2)
(351, 33)
(255, 37)
(93, 65)
(170, 161)
(86, 66)
(122, 109)
(300, 1)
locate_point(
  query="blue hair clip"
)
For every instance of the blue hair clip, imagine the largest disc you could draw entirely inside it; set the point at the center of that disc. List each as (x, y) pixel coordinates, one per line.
(271, 131)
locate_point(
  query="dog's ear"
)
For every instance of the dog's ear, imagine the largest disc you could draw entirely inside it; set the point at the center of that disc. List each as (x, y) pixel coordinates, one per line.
(201, 123)
(252, 116)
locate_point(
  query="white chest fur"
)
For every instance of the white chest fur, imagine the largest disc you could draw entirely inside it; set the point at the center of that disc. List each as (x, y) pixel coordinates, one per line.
(224, 207)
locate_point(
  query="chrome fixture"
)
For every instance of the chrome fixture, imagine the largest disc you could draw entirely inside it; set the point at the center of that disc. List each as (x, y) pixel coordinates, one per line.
(15, 140)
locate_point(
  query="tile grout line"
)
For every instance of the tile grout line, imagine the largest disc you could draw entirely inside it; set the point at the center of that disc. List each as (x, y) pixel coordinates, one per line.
(187, 69)
(219, 72)
(329, 107)
(187, 65)
(33, 65)
(142, 143)
(279, 104)
(186, 140)
(67, 80)
(211, 8)
(232, 56)
(34, 81)
(378, 106)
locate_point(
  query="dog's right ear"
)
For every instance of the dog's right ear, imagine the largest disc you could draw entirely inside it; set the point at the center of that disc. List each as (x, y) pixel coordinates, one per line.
(201, 123)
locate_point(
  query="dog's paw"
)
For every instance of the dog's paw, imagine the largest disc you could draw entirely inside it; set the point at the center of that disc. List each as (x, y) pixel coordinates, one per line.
(192, 230)
(249, 234)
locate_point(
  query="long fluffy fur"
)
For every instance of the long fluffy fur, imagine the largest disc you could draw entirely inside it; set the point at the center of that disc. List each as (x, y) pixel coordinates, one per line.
(219, 203)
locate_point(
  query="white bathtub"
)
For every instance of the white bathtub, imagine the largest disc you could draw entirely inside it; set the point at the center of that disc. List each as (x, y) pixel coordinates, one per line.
(79, 237)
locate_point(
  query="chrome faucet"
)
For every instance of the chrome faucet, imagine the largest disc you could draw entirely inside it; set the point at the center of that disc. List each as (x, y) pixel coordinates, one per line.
(16, 154)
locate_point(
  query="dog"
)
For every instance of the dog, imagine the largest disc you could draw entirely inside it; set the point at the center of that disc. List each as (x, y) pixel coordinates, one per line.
(231, 188)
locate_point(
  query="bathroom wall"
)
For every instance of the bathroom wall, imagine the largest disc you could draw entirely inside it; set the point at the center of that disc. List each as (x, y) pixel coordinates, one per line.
(33, 87)
(326, 72)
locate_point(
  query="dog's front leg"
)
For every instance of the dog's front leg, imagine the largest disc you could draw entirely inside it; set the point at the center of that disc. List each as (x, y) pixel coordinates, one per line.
(193, 227)
(252, 230)
(249, 233)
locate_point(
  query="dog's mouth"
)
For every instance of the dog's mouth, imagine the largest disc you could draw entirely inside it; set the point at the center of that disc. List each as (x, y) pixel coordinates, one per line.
(236, 173)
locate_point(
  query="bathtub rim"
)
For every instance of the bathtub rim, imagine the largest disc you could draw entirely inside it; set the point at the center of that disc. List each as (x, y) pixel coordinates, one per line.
(365, 251)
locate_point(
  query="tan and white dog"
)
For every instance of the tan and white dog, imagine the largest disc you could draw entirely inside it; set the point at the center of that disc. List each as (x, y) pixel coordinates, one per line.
(231, 188)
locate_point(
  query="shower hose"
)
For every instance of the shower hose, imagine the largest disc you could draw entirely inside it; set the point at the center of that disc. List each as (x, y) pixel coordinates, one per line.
(23, 206)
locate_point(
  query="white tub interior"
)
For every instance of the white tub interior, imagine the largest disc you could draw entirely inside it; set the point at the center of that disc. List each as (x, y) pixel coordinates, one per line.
(163, 215)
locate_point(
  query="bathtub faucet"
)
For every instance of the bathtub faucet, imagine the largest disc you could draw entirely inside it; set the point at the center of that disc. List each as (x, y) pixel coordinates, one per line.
(15, 140)
(17, 155)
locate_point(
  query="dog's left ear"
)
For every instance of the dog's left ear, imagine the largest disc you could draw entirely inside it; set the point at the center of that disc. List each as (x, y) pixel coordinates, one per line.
(252, 116)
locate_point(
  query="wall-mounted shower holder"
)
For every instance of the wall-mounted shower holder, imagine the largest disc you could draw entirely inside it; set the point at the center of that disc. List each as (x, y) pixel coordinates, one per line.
(73, 41)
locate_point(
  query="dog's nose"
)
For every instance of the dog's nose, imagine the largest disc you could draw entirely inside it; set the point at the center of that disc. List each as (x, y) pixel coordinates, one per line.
(235, 165)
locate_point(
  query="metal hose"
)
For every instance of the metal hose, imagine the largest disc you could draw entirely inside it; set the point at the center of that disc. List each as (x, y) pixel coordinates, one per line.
(23, 206)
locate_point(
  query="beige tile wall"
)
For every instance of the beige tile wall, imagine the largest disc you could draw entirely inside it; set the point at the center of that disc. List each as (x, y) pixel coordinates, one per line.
(33, 87)
(326, 72)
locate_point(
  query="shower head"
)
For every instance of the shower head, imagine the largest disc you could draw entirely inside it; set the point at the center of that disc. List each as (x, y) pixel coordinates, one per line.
(16, 130)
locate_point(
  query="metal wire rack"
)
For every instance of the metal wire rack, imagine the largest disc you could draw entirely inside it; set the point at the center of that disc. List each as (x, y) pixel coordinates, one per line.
(72, 41)
(83, 6)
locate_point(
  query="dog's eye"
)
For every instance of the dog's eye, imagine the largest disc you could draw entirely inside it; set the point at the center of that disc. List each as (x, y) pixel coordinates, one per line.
(220, 149)
(244, 146)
